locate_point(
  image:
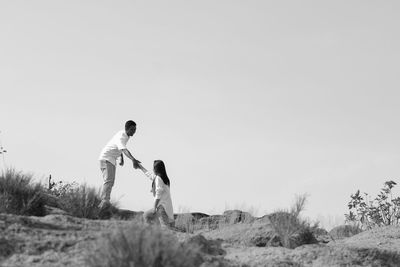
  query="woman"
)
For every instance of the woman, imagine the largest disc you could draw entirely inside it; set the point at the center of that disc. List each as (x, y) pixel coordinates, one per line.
(162, 197)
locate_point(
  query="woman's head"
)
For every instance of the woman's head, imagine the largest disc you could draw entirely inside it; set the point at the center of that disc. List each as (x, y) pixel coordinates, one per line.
(159, 169)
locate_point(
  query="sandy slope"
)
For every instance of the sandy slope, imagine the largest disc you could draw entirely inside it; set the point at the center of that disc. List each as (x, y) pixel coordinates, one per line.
(62, 240)
(53, 240)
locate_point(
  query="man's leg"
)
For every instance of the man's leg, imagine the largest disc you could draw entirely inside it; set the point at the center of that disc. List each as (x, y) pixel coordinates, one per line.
(108, 170)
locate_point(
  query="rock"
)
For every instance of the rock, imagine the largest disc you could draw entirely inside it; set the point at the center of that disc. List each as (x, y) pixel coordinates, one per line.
(209, 247)
(194, 215)
(304, 236)
(211, 251)
(7, 248)
(344, 231)
(197, 221)
(322, 236)
(247, 234)
(277, 229)
(282, 217)
(190, 222)
(212, 222)
(263, 220)
(238, 216)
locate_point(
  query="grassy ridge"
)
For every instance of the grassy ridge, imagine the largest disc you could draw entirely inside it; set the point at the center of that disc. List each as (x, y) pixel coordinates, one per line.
(21, 195)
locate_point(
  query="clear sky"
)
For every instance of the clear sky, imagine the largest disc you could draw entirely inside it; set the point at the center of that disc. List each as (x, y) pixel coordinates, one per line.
(247, 102)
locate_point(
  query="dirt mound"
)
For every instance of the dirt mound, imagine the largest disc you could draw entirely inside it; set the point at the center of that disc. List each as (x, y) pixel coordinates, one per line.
(63, 240)
(52, 240)
(378, 247)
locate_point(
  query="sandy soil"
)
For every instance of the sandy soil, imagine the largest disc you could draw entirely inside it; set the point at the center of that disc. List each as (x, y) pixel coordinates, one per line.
(62, 240)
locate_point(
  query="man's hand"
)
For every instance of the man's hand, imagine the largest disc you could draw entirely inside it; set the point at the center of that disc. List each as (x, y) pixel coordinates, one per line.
(136, 164)
(121, 161)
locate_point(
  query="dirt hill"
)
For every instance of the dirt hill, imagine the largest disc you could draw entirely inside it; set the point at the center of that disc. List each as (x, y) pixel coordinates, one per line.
(63, 240)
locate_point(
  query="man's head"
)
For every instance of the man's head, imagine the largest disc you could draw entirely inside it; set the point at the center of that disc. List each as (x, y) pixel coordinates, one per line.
(130, 128)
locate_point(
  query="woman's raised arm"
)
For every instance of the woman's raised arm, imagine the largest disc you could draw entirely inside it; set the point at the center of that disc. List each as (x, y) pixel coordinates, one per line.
(149, 174)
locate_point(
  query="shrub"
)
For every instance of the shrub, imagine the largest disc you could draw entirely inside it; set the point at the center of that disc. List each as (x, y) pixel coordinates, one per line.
(291, 229)
(19, 195)
(144, 246)
(383, 210)
(185, 222)
(62, 188)
(78, 200)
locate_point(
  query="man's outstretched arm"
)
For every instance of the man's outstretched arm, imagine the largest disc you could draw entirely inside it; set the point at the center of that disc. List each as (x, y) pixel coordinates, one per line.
(129, 155)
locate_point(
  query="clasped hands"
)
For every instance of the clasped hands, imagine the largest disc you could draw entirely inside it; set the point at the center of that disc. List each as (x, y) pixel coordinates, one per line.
(136, 163)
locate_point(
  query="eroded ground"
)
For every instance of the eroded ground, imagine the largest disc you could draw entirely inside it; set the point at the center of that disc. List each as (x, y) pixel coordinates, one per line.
(62, 240)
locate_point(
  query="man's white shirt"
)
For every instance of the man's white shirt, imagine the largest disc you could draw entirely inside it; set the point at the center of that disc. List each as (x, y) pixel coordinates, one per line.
(114, 147)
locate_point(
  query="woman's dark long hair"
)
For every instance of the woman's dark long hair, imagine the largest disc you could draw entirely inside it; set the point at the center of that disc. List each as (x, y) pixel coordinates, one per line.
(159, 169)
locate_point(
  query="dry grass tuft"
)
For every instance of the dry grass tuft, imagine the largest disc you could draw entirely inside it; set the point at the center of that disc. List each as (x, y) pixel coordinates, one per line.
(291, 229)
(144, 246)
(20, 195)
(185, 222)
(80, 201)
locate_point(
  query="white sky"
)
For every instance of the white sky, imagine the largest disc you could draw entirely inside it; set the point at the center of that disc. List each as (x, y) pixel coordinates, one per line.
(247, 102)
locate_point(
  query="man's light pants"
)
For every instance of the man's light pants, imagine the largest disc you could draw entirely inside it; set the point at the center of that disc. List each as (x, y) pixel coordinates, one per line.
(108, 170)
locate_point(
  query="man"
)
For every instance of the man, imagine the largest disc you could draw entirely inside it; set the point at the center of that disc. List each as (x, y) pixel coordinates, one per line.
(114, 149)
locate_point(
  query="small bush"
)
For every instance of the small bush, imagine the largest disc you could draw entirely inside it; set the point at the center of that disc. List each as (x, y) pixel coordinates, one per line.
(62, 188)
(144, 246)
(383, 210)
(185, 222)
(19, 195)
(78, 200)
(291, 229)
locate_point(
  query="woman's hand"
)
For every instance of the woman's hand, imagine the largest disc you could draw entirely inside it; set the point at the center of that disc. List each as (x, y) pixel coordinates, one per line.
(156, 205)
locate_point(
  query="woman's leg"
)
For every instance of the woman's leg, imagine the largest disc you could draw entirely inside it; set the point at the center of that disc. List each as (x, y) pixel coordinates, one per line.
(163, 217)
(149, 216)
